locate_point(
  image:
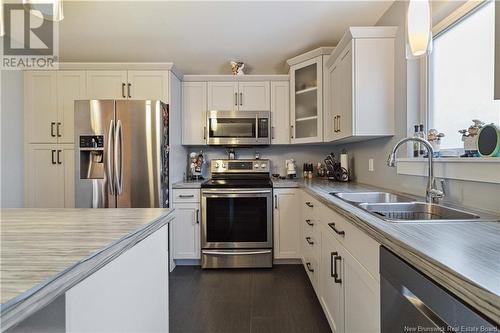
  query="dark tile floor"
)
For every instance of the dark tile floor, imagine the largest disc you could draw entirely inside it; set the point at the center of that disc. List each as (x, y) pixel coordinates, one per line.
(280, 299)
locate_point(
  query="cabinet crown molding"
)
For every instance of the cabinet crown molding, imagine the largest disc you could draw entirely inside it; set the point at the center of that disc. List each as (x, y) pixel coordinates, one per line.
(324, 50)
(360, 32)
(153, 66)
(235, 78)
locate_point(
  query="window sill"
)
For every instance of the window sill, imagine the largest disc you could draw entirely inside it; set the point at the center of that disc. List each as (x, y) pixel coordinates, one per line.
(477, 169)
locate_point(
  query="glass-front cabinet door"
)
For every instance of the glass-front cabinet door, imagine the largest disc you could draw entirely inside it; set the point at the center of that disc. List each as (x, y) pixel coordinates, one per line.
(306, 89)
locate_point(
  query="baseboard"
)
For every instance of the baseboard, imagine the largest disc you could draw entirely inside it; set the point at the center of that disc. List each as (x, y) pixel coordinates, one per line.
(287, 262)
(187, 262)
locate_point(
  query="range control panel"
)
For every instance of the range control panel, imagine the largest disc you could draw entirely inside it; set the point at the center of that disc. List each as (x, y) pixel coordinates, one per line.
(95, 142)
(239, 166)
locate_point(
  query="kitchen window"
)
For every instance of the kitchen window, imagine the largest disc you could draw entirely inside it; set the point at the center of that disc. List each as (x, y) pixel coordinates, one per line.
(461, 75)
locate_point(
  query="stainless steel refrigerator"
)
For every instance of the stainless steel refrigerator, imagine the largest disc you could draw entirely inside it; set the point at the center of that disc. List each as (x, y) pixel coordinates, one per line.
(121, 149)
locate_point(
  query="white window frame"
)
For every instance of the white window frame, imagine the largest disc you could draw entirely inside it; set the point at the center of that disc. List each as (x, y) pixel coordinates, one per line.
(425, 64)
(478, 169)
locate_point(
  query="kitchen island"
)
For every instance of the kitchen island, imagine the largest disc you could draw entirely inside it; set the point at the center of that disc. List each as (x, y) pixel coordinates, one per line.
(107, 267)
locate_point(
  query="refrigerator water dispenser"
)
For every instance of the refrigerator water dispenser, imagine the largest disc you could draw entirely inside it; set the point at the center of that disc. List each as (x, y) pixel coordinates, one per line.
(91, 157)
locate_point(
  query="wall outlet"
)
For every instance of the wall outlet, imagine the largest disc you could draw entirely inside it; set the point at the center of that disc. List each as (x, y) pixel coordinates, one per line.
(370, 165)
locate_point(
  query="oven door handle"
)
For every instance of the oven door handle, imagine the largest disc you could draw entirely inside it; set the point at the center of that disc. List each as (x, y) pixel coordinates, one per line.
(236, 253)
(237, 192)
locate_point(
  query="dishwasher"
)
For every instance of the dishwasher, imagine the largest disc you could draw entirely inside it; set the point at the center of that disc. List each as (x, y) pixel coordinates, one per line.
(411, 302)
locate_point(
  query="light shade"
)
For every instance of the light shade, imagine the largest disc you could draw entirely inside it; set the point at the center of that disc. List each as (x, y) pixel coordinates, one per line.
(418, 29)
(2, 27)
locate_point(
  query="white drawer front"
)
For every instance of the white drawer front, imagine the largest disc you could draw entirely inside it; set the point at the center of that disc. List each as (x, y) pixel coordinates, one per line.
(186, 195)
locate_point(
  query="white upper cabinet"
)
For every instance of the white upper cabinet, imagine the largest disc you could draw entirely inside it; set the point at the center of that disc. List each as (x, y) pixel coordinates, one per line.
(307, 101)
(132, 84)
(49, 105)
(338, 118)
(194, 108)
(223, 96)
(103, 84)
(40, 93)
(280, 112)
(306, 96)
(360, 96)
(71, 86)
(239, 96)
(254, 96)
(148, 85)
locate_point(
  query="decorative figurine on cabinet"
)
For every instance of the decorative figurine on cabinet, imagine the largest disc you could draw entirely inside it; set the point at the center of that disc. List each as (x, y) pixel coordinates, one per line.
(434, 138)
(237, 67)
(469, 137)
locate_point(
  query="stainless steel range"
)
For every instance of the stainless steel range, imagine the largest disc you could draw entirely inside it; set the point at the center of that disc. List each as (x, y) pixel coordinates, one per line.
(236, 220)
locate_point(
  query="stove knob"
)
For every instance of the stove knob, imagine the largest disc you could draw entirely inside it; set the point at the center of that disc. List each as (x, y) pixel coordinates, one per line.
(256, 165)
(217, 165)
(222, 165)
(263, 165)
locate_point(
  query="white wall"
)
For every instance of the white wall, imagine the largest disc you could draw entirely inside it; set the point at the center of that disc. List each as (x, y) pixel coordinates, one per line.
(471, 194)
(12, 154)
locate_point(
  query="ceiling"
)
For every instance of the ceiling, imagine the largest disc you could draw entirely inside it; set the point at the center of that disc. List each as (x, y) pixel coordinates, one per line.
(202, 37)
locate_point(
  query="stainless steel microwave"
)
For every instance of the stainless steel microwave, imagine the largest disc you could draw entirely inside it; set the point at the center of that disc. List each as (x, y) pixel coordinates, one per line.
(238, 128)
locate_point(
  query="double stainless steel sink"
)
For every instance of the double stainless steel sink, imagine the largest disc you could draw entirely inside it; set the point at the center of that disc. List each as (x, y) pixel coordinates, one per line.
(392, 207)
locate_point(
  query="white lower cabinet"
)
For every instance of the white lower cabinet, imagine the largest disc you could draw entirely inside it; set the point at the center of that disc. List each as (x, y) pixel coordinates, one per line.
(339, 260)
(50, 176)
(332, 293)
(361, 297)
(287, 213)
(186, 226)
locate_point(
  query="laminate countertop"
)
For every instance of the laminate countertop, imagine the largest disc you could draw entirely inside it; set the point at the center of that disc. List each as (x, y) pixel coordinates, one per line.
(45, 252)
(188, 184)
(464, 258)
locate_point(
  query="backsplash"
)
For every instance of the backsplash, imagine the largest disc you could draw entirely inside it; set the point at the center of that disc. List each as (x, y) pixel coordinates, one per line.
(276, 154)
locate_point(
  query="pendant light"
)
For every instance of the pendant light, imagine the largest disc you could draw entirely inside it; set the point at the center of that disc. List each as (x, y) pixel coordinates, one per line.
(418, 29)
(57, 14)
(2, 27)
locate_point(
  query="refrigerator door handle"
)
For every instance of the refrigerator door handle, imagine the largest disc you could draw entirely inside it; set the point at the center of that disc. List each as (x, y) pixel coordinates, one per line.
(119, 157)
(111, 181)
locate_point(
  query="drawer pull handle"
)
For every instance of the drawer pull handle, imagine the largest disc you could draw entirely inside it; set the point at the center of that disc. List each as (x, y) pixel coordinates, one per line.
(338, 232)
(197, 216)
(309, 204)
(184, 196)
(308, 239)
(309, 223)
(308, 265)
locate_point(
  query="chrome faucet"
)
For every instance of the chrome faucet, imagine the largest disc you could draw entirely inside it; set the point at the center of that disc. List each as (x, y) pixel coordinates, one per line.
(431, 194)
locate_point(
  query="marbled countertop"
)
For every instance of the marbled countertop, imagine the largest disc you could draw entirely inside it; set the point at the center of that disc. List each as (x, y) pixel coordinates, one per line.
(462, 257)
(47, 251)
